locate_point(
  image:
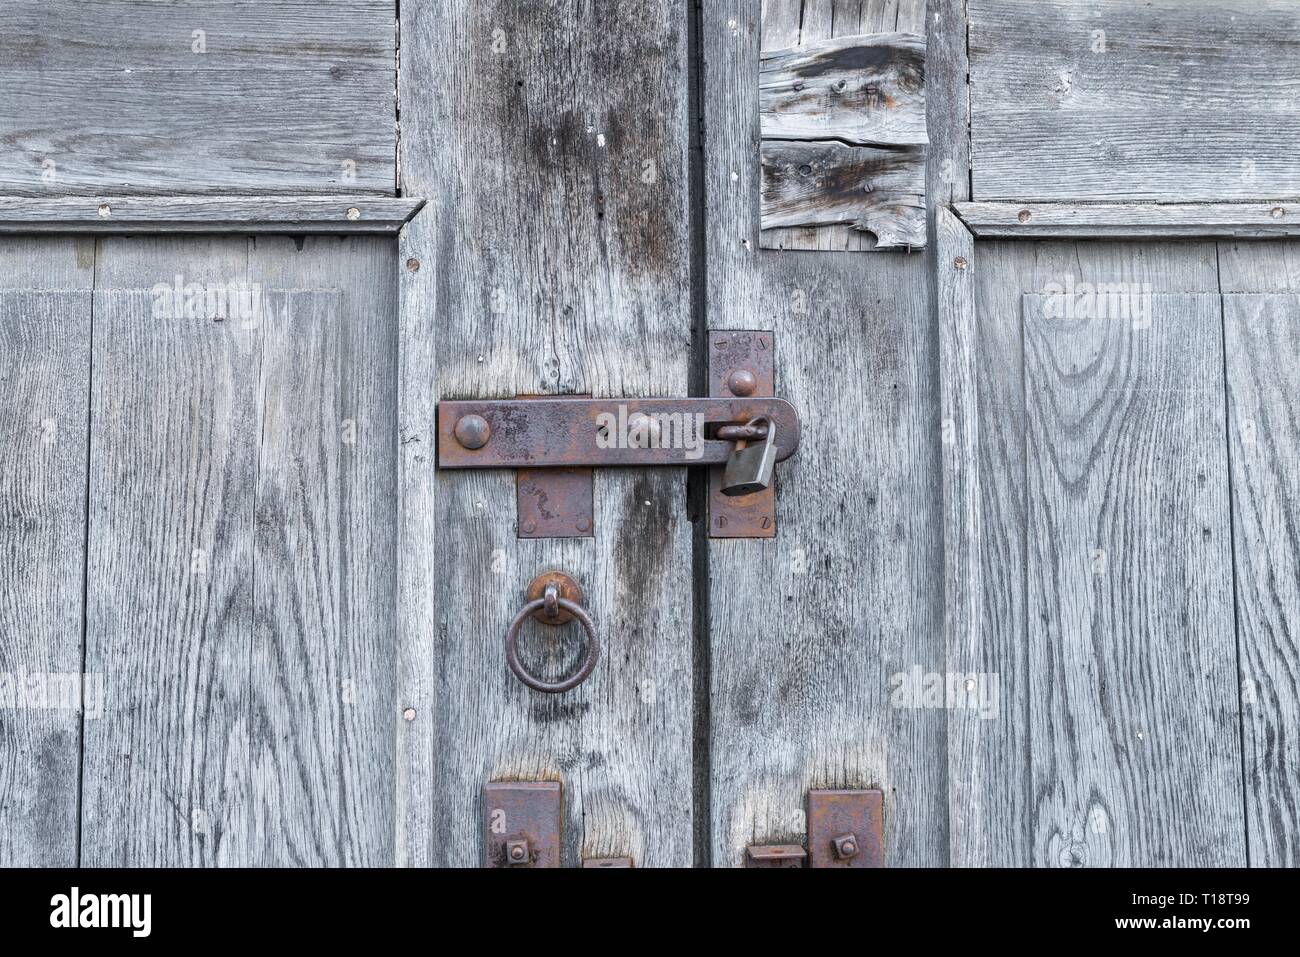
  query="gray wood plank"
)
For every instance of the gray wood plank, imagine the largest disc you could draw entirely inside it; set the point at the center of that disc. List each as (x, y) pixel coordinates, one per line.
(865, 89)
(240, 573)
(1000, 830)
(1262, 339)
(553, 258)
(1130, 220)
(1132, 659)
(44, 387)
(809, 631)
(283, 97)
(207, 214)
(790, 26)
(1082, 100)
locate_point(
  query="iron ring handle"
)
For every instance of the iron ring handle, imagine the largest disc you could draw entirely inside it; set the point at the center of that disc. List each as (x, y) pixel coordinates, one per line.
(588, 661)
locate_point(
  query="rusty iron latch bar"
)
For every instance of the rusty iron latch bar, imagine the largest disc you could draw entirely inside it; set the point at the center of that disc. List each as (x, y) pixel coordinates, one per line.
(554, 441)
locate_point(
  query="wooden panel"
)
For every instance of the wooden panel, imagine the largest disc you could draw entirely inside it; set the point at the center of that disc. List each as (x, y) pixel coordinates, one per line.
(240, 588)
(991, 785)
(1130, 220)
(1262, 339)
(812, 632)
(788, 27)
(1106, 100)
(215, 96)
(207, 214)
(44, 384)
(553, 258)
(1132, 659)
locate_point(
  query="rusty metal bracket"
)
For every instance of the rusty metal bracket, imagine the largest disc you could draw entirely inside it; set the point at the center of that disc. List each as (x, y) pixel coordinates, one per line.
(775, 855)
(522, 823)
(741, 364)
(554, 503)
(846, 828)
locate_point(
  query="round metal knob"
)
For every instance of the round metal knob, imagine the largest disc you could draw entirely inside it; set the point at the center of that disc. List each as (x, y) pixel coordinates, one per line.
(473, 431)
(742, 382)
(551, 604)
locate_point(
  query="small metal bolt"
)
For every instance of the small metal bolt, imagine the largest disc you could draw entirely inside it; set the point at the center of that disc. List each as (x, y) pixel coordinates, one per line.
(530, 528)
(353, 213)
(473, 431)
(960, 262)
(413, 264)
(845, 847)
(1023, 215)
(1277, 212)
(517, 851)
(105, 210)
(409, 714)
(584, 525)
(742, 382)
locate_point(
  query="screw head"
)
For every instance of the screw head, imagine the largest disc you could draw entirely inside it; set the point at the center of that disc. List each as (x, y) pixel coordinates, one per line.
(353, 213)
(105, 210)
(960, 262)
(409, 714)
(1023, 215)
(517, 851)
(1277, 212)
(473, 431)
(413, 264)
(742, 382)
(845, 847)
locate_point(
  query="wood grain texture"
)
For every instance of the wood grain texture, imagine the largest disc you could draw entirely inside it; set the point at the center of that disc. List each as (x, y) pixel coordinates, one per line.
(824, 183)
(1004, 749)
(1132, 659)
(1105, 100)
(788, 27)
(867, 90)
(206, 214)
(809, 630)
(1130, 220)
(44, 387)
(555, 247)
(1262, 342)
(239, 602)
(283, 96)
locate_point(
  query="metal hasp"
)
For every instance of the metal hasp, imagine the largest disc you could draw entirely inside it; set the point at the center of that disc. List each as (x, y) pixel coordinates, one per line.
(846, 829)
(741, 364)
(522, 823)
(775, 855)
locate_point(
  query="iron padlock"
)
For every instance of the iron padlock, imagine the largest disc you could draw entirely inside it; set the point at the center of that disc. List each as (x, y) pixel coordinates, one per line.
(749, 469)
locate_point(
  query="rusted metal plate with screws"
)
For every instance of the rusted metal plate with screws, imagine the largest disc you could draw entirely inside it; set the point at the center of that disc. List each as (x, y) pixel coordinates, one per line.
(742, 360)
(775, 855)
(522, 821)
(601, 862)
(572, 432)
(846, 829)
(553, 503)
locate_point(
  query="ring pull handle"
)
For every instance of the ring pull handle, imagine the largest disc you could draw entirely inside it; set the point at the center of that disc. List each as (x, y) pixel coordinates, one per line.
(554, 608)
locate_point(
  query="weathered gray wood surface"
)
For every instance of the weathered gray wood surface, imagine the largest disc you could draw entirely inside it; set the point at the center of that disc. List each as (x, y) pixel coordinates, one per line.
(1262, 342)
(1130, 220)
(239, 598)
(1129, 607)
(865, 89)
(553, 258)
(787, 28)
(807, 631)
(285, 96)
(206, 214)
(1106, 100)
(44, 387)
(879, 191)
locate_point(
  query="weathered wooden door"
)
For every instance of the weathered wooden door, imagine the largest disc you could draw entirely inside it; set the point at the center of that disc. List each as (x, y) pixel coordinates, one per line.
(1032, 578)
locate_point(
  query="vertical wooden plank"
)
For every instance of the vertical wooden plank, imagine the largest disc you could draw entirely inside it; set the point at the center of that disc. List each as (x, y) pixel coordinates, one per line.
(1262, 341)
(553, 258)
(1134, 730)
(239, 592)
(812, 632)
(44, 384)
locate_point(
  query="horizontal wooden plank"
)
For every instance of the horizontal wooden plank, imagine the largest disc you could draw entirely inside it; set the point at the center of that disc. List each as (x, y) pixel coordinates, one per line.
(1130, 220)
(173, 131)
(1162, 101)
(881, 191)
(865, 89)
(195, 35)
(207, 214)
